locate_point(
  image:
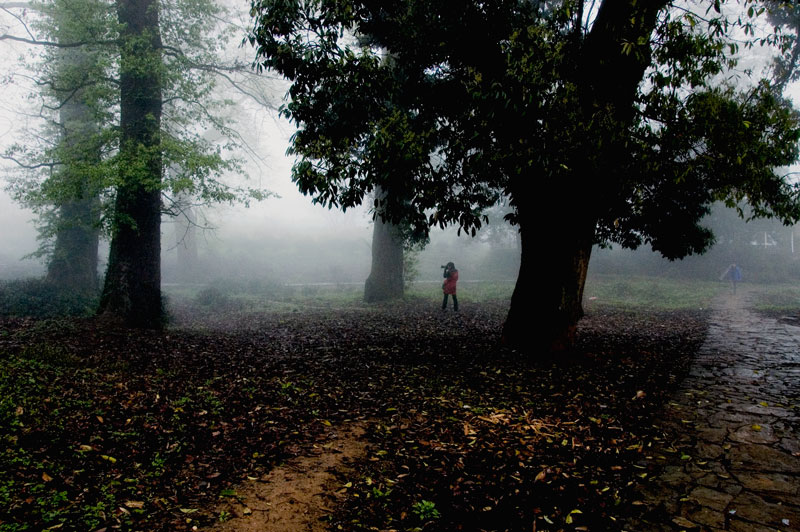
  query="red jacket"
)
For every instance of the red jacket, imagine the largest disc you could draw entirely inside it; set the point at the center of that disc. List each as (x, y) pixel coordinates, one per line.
(449, 286)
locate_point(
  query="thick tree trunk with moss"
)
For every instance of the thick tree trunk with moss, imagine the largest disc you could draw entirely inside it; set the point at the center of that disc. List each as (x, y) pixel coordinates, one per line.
(132, 291)
(385, 280)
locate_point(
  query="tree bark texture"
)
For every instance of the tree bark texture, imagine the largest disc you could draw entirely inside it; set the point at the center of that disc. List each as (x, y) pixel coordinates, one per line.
(553, 268)
(385, 279)
(552, 275)
(132, 291)
(73, 265)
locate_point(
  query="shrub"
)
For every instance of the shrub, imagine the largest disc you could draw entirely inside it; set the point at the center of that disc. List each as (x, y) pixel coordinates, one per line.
(212, 297)
(41, 299)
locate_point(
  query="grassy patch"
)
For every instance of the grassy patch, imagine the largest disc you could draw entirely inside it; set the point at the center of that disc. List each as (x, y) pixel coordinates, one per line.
(468, 292)
(264, 297)
(777, 298)
(649, 292)
(606, 291)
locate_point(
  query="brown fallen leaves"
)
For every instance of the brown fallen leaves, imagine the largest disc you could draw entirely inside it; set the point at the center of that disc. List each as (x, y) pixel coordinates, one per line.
(136, 427)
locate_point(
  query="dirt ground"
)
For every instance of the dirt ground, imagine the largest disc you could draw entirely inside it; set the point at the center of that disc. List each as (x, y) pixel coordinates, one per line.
(296, 496)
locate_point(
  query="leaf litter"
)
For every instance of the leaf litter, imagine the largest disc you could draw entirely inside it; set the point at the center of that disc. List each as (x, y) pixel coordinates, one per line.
(153, 431)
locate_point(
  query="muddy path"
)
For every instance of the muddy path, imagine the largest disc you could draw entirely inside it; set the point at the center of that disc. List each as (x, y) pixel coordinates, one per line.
(298, 495)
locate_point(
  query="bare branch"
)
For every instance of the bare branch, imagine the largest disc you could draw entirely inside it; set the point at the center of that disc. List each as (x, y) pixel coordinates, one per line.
(22, 22)
(21, 164)
(6, 37)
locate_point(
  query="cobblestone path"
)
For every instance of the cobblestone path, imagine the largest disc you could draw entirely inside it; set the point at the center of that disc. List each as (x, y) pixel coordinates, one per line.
(734, 462)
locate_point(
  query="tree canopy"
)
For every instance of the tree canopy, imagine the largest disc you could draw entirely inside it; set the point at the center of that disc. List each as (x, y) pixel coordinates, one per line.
(478, 94)
(198, 142)
(129, 90)
(606, 122)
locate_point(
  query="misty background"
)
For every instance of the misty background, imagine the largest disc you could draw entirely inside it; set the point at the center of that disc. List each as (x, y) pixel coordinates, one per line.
(286, 239)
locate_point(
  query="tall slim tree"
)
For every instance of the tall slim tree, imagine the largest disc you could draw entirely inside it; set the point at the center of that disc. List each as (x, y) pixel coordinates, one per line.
(74, 260)
(132, 289)
(162, 59)
(606, 125)
(74, 98)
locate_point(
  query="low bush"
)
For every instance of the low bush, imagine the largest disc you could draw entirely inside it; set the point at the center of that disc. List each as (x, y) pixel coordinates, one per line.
(41, 299)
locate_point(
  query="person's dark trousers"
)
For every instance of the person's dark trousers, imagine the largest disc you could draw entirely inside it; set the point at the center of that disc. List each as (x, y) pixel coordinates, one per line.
(455, 302)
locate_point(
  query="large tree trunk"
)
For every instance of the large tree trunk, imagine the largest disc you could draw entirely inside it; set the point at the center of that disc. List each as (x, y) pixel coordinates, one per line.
(553, 269)
(385, 280)
(552, 274)
(132, 291)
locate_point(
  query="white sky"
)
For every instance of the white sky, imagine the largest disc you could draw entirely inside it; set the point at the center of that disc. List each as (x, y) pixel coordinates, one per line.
(268, 136)
(292, 214)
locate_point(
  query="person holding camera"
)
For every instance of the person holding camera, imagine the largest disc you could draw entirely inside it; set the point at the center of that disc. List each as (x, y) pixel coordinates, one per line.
(449, 285)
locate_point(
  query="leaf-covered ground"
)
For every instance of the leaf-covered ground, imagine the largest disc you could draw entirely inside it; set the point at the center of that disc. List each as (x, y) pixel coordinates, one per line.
(103, 429)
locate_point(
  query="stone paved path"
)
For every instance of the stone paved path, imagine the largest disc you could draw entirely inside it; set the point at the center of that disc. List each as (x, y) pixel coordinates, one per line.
(735, 462)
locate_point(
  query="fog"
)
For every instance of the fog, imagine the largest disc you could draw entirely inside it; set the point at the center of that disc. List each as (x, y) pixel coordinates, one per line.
(285, 239)
(288, 239)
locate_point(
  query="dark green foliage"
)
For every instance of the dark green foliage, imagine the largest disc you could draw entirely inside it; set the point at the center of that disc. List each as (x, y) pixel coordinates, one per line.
(480, 99)
(39, 298)
(786, 16)
(610, 126)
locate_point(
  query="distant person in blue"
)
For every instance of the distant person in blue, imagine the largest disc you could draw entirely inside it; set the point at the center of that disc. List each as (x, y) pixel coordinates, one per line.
(733, 274)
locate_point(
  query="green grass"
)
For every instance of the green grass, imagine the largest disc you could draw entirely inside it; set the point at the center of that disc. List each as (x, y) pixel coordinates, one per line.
(650, 292)
(266, 298)
(601, 290)
(782, 297)
(293, 298)
(467, 292)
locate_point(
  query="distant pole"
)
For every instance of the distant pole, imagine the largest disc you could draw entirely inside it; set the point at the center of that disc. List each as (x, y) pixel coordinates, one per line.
(792, 240)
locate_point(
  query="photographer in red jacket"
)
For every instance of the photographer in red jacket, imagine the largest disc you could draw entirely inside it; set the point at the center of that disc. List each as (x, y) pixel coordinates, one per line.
(449, 285)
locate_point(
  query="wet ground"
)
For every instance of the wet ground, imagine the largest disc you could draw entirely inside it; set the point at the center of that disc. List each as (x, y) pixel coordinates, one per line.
(734, 461)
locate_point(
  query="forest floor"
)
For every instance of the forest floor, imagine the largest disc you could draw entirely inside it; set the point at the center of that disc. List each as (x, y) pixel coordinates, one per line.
(408, 418)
